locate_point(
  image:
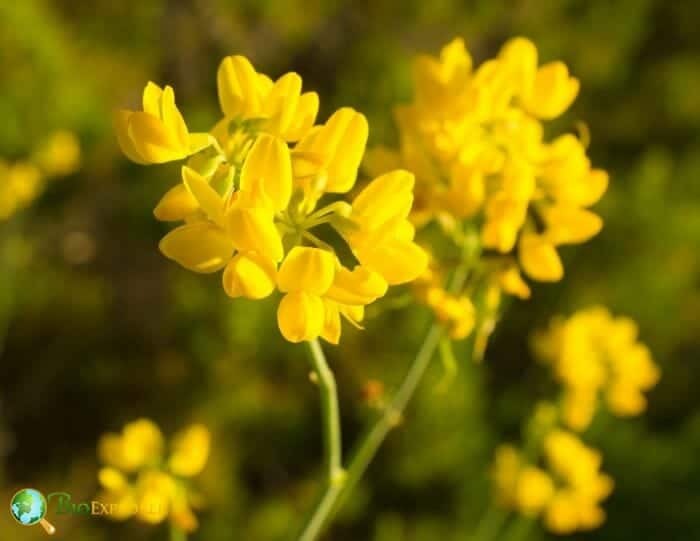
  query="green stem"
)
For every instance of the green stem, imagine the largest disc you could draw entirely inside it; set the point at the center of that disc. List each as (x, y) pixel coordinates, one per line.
(490, 524)
(335, 475)
(176, 534)
(370, 443)
(520, 529)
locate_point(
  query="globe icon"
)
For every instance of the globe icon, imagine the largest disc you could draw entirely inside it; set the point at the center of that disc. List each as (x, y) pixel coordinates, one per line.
(28, 507)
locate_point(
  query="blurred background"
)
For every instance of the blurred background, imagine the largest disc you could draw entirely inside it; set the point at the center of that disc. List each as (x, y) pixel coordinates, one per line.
(97, 328)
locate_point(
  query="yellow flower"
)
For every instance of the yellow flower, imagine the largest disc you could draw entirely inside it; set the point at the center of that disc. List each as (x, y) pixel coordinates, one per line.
(282, 108)
(157, 134)
(60, 155)
(596, 355)
(329, 156)
(140, 481)
(249, 201)
(139, 444)
(383, 241)
(566, 490)
(474, 138)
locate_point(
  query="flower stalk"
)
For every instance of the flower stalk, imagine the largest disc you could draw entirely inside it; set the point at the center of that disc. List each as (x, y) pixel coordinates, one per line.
(332, 439)
(391, 416)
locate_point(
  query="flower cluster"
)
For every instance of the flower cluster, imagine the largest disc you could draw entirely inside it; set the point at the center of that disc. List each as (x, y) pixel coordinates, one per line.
(23, 181)
(139, 480)
(473, 136)
(593, 353)
(251, 192)
(566, 489)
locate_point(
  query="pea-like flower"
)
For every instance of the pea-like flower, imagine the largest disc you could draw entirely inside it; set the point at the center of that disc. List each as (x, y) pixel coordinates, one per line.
(157, 134)
(140, 480)
(253, 190)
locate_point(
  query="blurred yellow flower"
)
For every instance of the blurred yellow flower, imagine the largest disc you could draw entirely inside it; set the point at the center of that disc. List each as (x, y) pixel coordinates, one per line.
(249, 200)
(23, 181)
(566, 490)
(141, 481)
(60, 154)
(594, 354)
(474, 138)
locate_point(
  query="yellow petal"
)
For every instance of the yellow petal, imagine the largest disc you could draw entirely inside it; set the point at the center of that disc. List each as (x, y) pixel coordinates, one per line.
(594, 186)
(110, 451)
(512, 283)
(253, 230)
(121, 128)
(304, 116)
(207, 197)
(307, 269)
(397, 261)
(112, 479)
(331, 323)
(386, 198)
(142, 441)
(238, 86)
(190, 451)
(269, 163)
(250, 275)
(300, 316)
(521, 56)
(358, 287)
(172, 118)
(340, 144)
(152, 95)
(177, 204)
(152, 141)
(570, 225)
(200, 247)
(280, 105)
(553, 91)
(539, 259)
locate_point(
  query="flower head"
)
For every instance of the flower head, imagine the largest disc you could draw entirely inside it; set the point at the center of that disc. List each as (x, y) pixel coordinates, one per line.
(566, 489)
(594, 355)
(474, 138)
(139, 480)
(251, 196)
